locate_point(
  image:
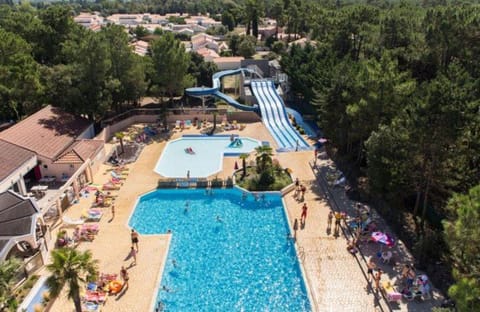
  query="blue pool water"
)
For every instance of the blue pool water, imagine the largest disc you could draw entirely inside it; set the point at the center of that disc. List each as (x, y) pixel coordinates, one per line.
(35, 297)
(226, 253)
(207, 158)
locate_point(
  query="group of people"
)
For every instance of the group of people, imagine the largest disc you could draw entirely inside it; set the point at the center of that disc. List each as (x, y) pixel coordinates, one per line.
(300, 190)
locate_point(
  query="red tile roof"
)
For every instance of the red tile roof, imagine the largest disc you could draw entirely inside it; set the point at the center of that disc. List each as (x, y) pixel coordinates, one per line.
(48, 132)
(80, 151)
(11, 158)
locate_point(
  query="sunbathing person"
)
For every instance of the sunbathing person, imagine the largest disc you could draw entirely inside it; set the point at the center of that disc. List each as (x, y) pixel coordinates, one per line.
(79, 235)
(351, 247)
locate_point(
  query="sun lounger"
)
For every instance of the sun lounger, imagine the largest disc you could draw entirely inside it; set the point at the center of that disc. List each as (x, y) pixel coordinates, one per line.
(92, 215)
(95, 296)
(72, 222)
(90, 228)
(188, 124)
(117, 176)
(119, 168)
(110, 187)
(390, 293)
(107, 277)
(91, 307)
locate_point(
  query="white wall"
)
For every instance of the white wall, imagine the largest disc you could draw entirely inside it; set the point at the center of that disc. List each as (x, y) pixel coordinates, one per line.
(17, 174)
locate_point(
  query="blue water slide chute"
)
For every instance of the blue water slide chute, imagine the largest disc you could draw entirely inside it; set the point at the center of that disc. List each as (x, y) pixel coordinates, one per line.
(215, 90)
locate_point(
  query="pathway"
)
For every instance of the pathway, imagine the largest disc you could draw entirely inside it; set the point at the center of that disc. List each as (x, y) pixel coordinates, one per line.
(336, 279)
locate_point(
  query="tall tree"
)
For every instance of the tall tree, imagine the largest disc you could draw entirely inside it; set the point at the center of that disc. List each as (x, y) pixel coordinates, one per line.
(200, 70)
(19, 77)
(127, 82)
(228, 20)
(59, 26)
(246, 48)
(73, 269)
(169, 63)
(462, 235)
(254, 10)
(92, 65)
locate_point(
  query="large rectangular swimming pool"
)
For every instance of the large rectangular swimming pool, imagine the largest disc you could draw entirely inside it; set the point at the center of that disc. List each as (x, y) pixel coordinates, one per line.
(229, 252)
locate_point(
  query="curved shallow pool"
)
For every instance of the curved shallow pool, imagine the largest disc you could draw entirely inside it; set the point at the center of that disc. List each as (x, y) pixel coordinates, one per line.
(202, 156)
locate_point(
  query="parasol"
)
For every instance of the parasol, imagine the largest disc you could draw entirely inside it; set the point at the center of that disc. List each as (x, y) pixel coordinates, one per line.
(383, 238)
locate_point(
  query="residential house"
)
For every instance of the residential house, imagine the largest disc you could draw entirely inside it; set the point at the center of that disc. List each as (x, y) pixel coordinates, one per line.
(228, 62)
(140, 47)
(88, 20)
(208, 54)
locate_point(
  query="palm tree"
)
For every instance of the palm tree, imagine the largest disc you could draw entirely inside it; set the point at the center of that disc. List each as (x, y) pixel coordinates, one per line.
(214, 123)
(8, 270)
(244, 157)
(73, 268)
(264, 157)
(119, 136)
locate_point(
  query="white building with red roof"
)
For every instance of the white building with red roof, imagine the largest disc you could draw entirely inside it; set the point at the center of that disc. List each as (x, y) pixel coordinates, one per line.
(50, 143)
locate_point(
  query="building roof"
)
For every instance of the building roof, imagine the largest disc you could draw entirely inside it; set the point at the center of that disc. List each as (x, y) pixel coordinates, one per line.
(228, 59)
(48, 132)
(16, 215)
(140, 47)
(208, 54)
(11, 158)
(302, 42)
(80, 151)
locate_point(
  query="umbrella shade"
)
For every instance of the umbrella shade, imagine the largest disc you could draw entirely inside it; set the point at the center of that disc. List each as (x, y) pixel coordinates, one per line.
(383, 238)
(322, 140)
(236, 166)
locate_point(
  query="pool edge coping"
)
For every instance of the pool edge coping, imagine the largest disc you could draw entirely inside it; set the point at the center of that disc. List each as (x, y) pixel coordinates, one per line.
(306, 280)
(38, 284)
(223, 154)
(163, 261)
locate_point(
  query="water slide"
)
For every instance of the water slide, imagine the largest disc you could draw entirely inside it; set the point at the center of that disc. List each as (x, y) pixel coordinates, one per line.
(275, 117)
(215, 90)
(270, 104)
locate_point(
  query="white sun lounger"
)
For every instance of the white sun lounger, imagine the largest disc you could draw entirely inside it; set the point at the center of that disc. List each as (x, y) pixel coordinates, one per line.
(70, 221)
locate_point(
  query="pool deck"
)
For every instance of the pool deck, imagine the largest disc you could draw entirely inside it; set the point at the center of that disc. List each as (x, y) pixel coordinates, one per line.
(334, 277)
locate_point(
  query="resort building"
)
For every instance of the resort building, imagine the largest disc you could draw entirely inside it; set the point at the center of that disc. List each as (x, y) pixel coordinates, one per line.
(15, 163)
(192, 25)
(23, 233)
(91, 21)
(47, 149)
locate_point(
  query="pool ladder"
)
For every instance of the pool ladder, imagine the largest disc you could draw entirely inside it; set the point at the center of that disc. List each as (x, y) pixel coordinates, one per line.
(301, 254)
